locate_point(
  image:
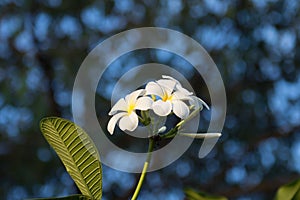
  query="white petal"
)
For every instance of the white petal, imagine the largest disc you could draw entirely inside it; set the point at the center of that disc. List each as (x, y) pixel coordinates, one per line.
(203, 102)
(171, 78)
(162, 108)
(143, 103)
(180, 109)
(154, 88)
(167, 85)
(197, 102)
(178, 85)
(113, 121)
(180, 96)
(183, 90)
(131, 98)
(121, 105)
(129, 122)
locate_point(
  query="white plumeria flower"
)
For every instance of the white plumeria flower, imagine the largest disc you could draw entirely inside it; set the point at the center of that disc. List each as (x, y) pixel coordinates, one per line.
(172, 96)
(124, 111)
(196, 101)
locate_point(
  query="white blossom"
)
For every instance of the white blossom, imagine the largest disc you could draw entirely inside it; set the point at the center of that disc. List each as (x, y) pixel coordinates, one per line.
(171, 97)
(168, 97)
(124, 111)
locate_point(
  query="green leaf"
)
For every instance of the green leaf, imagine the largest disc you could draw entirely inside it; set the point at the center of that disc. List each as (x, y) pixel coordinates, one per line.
(297, 195)
(72, 197)
(77, 152)
(197, 195)
(290, 191)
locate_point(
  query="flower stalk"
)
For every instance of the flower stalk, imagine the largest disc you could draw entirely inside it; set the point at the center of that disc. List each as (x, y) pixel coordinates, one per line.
(144, 171)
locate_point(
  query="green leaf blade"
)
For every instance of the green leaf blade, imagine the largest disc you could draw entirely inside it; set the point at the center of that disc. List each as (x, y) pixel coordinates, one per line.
(77, 152)
(290, 191)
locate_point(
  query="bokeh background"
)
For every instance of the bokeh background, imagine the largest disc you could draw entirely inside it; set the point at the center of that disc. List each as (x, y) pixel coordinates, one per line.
(254, 43)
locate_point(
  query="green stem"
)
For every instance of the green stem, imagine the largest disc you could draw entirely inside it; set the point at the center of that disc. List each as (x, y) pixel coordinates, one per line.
(146, 165)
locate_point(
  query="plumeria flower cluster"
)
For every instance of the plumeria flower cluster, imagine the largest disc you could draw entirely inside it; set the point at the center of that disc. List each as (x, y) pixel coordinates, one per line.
(162, 97)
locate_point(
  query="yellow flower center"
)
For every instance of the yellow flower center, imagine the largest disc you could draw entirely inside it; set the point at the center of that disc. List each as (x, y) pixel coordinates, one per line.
(153, 97)
(166, 97)
(130, 108)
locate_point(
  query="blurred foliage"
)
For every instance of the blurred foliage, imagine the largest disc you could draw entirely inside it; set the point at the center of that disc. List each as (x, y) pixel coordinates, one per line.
(254, 43)
(195, 195)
